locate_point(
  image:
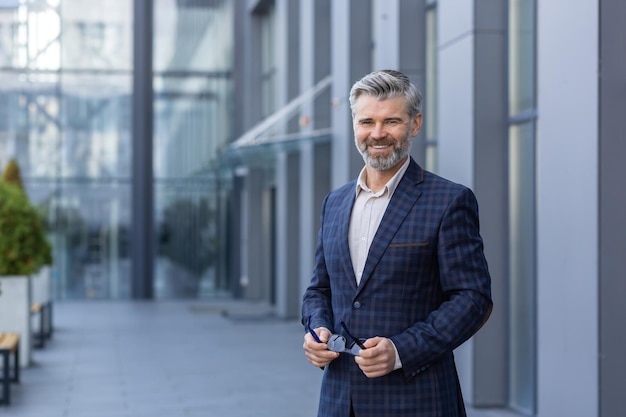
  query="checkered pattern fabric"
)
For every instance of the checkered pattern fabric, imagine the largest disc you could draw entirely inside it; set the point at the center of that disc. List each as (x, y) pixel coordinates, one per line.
(425, 286)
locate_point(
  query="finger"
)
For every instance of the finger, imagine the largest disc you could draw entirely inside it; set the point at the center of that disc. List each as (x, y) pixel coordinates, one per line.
(372, 347)
(320, 358)
(317, 351)
(308, 339)
(374, 370)
(375, 374)
(323, 333)
(378, 360)
(366, 359)
(372, 342)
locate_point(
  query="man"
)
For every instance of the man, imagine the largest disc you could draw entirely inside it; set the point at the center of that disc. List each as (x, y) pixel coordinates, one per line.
(399, 262)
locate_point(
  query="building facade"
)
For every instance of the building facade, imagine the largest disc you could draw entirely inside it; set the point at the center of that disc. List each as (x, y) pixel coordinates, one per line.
(183, 149)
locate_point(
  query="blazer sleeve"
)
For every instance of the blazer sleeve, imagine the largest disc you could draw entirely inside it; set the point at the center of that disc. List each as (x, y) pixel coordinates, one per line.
(465, 284)
(316, 301)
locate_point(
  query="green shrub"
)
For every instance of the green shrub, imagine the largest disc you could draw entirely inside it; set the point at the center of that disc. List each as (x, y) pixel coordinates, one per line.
(23, 245)
(185, 238)
(12, 175)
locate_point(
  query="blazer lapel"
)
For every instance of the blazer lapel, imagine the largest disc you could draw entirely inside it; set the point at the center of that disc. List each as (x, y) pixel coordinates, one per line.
(344, 224)
(402, 201)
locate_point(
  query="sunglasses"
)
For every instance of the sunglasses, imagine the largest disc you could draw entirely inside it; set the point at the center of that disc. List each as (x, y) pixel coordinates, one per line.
(337, 342)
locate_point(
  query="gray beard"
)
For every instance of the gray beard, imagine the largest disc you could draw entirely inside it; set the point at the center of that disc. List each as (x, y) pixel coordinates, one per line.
(382, 163)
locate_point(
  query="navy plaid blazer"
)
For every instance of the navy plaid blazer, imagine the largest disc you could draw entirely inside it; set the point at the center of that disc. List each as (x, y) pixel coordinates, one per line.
(425, 286)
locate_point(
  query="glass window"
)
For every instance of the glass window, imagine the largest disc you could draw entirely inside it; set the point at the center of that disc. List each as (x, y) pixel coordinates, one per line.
(430, 95)
(522, 222)
(522, 260)
(521, 56)
(65, 117)
(192, 125)
(96, 36)
(268, 61)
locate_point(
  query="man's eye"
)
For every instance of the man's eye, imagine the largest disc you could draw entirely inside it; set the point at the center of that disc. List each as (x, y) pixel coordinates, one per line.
(393, 122)
(366, 123)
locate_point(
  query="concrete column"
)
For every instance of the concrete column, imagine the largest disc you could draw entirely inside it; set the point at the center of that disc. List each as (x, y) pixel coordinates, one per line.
(287, 173)
(490, 183)
(257, 242)
(307, 161)
(287, 235)
(456, 90)
(386, 36)
(612, 208)
(412, 58)
(142, 247)
(472, 151)
(567, 208)
(314, 168)
(456, 123)
(351, 21)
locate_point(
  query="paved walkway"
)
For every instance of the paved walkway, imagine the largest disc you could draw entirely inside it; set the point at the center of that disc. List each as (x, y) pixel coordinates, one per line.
(170, 359)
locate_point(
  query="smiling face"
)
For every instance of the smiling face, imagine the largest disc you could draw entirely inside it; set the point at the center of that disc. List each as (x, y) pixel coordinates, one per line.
(383, 131)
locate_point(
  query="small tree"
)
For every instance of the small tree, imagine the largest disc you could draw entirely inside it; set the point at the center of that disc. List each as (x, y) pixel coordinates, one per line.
(22, 235)
(23, 245)
(11, 175)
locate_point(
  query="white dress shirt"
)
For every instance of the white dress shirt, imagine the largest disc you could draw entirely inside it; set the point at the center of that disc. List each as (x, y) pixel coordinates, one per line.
(367, 213)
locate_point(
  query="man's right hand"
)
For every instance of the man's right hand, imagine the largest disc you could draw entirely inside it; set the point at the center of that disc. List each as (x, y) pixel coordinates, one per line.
(317, 353)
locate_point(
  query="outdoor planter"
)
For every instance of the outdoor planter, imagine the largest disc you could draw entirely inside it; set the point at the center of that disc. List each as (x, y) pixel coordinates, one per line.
(15, 301)
(23, 251)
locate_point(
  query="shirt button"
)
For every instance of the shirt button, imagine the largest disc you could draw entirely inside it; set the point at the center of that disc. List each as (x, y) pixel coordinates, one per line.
(356, 305)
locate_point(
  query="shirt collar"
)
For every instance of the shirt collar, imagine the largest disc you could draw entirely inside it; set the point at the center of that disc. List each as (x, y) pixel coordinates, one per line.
(391, 185)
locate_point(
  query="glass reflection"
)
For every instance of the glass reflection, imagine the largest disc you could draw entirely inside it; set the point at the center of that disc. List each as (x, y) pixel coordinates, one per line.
(65, 116)
(192, 99)
(522, 221)
(521, 56)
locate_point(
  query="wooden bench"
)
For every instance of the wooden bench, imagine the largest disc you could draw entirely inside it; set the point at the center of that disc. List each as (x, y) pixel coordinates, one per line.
(9, 343)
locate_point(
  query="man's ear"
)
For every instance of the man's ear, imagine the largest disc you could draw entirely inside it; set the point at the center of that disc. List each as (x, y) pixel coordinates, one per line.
(417, 124)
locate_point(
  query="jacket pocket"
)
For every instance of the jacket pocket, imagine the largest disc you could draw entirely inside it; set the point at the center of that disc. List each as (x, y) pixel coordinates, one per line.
(408, 244)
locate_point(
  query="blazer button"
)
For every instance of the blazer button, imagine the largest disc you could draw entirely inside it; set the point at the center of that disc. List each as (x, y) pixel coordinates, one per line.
(356, 305)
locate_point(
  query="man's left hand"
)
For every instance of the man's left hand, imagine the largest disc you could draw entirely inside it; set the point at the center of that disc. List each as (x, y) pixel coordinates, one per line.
(378, 358)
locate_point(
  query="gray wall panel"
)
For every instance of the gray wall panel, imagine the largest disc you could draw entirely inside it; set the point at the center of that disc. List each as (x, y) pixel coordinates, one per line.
(490, 185)
(612, 103)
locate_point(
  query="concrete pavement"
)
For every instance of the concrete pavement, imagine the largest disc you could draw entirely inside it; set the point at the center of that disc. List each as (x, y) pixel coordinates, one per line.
(182, 358)
(171, 359)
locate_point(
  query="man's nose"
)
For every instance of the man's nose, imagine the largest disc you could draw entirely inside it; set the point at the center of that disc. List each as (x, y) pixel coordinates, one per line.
(379, 131)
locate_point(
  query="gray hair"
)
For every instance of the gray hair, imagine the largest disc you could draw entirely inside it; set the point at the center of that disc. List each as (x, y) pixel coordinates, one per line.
(387, 84)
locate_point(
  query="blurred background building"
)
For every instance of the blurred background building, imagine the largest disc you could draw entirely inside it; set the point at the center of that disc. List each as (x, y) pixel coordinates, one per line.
(182, 148)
